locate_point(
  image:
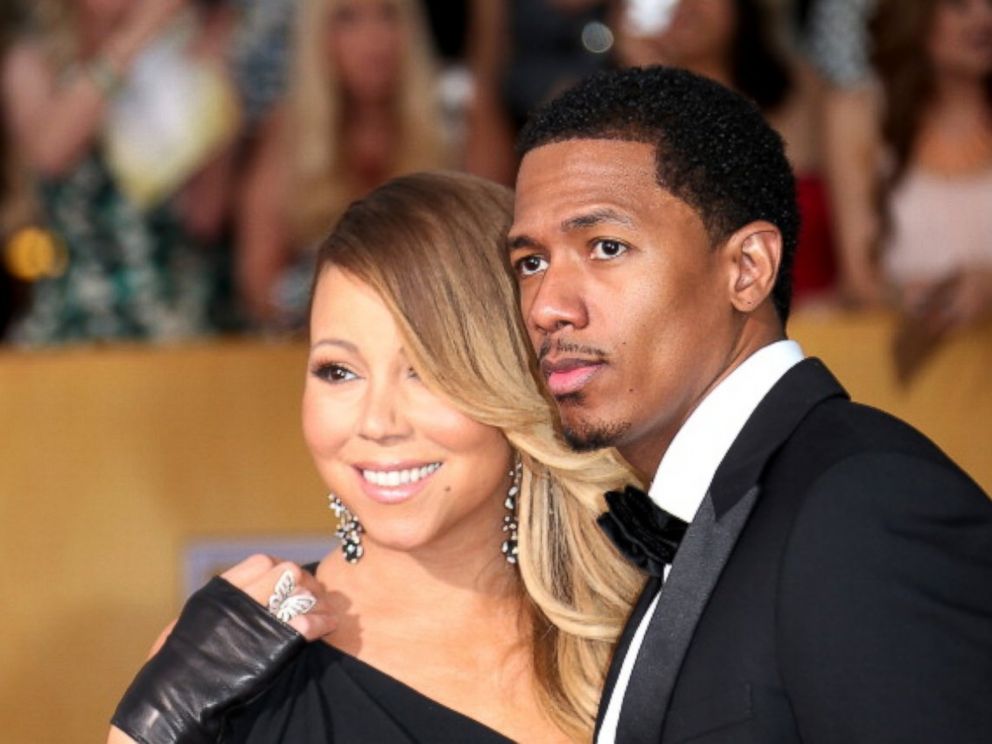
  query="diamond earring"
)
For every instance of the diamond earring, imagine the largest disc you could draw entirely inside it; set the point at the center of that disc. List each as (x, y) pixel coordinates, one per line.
(349, 530)
(509, 546)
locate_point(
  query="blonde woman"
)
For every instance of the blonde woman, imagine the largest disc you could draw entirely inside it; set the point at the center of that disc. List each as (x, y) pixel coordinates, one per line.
(361, 109)
(475, 599)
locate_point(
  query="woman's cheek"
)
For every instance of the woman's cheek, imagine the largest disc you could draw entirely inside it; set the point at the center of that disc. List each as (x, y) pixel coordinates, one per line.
(324, 428)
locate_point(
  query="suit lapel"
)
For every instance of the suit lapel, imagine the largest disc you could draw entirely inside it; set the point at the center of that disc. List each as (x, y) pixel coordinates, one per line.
(704, 551)
(707, 546)
(774, 419)
(651, 589)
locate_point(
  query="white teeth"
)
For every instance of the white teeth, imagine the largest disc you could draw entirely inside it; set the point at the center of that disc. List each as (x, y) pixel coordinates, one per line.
(392, 478)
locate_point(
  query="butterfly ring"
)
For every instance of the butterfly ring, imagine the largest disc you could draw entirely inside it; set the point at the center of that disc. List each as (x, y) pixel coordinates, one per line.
(284, 604)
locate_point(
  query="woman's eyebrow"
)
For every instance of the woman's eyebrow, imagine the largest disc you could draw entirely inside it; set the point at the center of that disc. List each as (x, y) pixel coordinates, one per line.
(339, 342)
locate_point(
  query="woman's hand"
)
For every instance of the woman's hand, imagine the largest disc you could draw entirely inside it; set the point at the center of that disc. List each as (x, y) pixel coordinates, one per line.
(862, 290)
(55, 119)
(227, 646)
(257, 577)
(960, 300)
(971, 301)
(145, 20)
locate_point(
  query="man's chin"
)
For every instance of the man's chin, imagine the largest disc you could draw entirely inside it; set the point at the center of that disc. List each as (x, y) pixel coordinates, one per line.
(585, 436)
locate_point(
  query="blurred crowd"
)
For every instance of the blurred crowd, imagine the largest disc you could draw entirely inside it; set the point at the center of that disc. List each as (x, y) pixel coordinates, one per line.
(167, 167)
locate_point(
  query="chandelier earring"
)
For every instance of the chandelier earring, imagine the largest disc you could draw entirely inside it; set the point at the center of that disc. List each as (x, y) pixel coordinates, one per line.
(510, 526)
(349, 530)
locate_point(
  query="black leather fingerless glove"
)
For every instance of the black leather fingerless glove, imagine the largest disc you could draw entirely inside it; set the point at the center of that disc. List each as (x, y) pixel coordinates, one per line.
(224, 650)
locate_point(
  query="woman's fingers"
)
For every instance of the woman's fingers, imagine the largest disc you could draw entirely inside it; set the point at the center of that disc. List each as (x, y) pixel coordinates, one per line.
(281, 579)
(289, 592)
(249, 570)
(315, 624)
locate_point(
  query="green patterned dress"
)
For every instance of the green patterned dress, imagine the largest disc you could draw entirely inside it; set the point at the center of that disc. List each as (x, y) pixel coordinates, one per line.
(130, 274)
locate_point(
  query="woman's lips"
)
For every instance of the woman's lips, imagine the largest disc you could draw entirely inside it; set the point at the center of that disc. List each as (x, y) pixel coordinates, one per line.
(394, 484)
(570, 378)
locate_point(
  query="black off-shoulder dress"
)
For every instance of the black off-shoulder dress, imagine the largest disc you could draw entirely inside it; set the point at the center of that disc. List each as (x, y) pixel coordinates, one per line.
(326, 695)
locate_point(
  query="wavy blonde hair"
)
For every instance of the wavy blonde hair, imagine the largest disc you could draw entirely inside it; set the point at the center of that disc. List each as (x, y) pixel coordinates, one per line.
(432, 245)
(322, 185)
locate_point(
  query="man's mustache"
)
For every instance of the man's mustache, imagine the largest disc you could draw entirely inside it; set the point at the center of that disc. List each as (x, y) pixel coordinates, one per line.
(564, 348)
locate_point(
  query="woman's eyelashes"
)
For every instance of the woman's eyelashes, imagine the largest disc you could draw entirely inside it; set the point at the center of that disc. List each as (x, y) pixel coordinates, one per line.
(336, 372)
(332, 372)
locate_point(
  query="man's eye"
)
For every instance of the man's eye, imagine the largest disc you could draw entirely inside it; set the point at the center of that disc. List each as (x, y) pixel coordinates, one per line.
(530, 265)
(333, 373)
(604, 250)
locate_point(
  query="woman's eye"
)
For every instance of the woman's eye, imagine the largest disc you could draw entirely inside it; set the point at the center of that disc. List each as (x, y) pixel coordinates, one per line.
(412, 374)
(604, 250)
(333, 373)
(530, 265)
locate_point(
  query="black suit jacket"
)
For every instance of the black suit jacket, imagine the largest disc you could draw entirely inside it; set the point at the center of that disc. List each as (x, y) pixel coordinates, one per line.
(836, 586)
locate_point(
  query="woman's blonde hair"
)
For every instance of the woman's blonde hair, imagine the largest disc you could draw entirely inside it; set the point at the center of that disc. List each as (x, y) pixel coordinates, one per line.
(432, 246)
(322, 185)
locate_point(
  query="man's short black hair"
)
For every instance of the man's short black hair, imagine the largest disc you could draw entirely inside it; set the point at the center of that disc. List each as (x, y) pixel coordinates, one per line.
(714, 149)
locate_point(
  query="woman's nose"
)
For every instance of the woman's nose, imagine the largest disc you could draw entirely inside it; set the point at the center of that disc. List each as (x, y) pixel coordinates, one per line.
(384, 419)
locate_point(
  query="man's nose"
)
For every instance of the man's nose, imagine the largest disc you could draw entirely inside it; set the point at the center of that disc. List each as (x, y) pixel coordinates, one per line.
(558, 301)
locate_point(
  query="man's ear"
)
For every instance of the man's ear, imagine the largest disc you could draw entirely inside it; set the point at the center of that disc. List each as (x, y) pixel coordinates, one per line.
(755, 254)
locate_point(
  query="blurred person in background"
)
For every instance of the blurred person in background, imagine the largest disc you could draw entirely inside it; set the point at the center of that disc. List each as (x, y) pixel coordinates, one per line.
(521, 53)
(837, 46)
(89, 90)
(260, 54)
(908, 119)
(835, 40)
(933, 172)
(744, 45)
(474, 598)
(362, 107)
(909, 137)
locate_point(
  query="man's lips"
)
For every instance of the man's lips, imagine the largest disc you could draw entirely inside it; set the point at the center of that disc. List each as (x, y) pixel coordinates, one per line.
(567, 376)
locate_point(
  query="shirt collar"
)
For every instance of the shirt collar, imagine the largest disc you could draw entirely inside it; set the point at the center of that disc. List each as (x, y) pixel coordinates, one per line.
(688, 466)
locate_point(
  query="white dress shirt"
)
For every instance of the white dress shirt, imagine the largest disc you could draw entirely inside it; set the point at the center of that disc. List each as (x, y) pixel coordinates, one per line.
(691, 461)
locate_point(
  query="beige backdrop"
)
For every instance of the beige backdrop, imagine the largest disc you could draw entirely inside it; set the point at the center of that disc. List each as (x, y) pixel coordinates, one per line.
(114, 460)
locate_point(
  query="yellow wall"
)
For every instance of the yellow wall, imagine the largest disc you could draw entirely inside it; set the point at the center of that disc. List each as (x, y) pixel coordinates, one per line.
(113, 459)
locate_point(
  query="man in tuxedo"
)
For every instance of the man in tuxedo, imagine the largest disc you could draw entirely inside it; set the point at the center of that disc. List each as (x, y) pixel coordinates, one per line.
(834, 583)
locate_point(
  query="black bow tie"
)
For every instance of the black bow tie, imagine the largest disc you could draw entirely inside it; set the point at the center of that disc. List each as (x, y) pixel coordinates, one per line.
(644, 532)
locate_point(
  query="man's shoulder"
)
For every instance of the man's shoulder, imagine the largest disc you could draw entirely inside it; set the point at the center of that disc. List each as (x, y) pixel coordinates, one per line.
(862, 428)
(845, 442)
(805, 426)
(849, 428)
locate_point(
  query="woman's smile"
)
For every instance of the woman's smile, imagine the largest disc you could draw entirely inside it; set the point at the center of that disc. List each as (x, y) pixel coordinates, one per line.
(394, 483)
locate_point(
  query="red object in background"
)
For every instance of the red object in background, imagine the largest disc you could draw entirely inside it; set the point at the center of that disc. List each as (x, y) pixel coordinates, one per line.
(815, 269)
